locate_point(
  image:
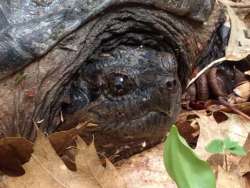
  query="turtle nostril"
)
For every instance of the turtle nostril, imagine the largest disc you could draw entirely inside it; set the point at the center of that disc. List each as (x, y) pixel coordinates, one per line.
(171, 84)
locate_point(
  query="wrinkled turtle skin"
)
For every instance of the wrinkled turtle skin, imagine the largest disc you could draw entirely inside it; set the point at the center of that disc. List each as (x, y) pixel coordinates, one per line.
(119, 64)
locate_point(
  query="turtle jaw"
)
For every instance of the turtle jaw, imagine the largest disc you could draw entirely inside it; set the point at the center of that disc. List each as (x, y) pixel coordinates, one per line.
(120, 140)
(124, 137)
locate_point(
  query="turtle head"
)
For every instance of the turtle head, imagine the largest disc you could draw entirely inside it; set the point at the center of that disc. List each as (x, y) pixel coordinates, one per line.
(132, 93)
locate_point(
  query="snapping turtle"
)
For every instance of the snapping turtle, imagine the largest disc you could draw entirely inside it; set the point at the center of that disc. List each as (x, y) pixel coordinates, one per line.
(119, 64)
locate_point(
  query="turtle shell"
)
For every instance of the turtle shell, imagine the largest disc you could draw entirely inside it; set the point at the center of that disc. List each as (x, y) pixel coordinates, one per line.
(30, 28)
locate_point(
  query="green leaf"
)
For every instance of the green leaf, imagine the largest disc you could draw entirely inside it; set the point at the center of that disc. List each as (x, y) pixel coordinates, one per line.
(239, 151)
(225, 146)
(228, 143)
(233, 147)
(215, 146)
(183, 166)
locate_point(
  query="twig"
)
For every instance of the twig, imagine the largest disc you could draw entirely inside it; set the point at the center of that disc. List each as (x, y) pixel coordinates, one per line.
(228, 105)
(226, 162)
(216, 62)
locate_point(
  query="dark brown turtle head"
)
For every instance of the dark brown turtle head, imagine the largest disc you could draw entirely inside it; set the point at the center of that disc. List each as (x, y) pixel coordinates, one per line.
(131, 93)
(120, 64)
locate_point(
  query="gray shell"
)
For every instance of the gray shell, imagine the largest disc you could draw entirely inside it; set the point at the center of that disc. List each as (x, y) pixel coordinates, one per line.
(30, 28)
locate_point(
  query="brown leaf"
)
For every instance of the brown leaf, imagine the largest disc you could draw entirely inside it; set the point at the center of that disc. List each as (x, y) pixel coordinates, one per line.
(226, 179)
(244, 163)
(46, 169)
(87, 160)
(243, 90)
(13, 153)
(63, 139)
(64, 145)
(247, 180)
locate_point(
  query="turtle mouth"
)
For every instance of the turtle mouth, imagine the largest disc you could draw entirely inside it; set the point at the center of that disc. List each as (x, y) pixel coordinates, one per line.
(119, 140)
(148, 125)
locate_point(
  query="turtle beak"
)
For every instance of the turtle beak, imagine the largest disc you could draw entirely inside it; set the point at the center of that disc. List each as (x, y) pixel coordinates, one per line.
(167, 97)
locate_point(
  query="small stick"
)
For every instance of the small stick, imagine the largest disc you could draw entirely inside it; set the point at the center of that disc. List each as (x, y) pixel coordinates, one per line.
(236, 110)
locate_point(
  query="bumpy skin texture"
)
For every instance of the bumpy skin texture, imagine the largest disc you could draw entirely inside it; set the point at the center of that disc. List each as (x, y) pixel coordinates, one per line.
(118, 63)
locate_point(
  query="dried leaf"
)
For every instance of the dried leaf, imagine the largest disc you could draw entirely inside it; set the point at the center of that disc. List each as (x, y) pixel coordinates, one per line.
(239, 45)
(63, 139)
(87, 160)
(146, 170)
(244, 165)
(13, 153)
(224, 179)
(243, 90)
(46, 169)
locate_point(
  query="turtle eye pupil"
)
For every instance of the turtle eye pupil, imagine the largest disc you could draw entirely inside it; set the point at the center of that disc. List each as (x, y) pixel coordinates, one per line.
(119, 84)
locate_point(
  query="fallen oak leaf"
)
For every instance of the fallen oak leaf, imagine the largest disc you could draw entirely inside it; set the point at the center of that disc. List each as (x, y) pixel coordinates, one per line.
(107, 176)
(63, 143)
(46, 169)
(14, 151)
(63, 139)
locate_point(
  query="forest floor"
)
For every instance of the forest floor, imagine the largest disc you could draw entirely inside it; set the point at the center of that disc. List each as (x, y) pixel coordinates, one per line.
(199, 123)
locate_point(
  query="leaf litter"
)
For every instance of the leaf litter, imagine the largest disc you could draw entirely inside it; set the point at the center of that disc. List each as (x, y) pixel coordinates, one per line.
(46, 169)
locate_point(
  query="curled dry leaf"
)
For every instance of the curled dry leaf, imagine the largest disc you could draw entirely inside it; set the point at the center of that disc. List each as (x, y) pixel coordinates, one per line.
(46, 169)
(243, 90)
(235, 99)
(239, 44)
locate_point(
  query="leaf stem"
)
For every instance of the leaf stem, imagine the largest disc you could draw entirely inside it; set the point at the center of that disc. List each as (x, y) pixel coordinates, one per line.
(226, 162)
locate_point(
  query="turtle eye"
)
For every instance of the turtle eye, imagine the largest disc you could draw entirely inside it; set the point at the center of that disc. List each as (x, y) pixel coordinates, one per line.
(119, 84)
